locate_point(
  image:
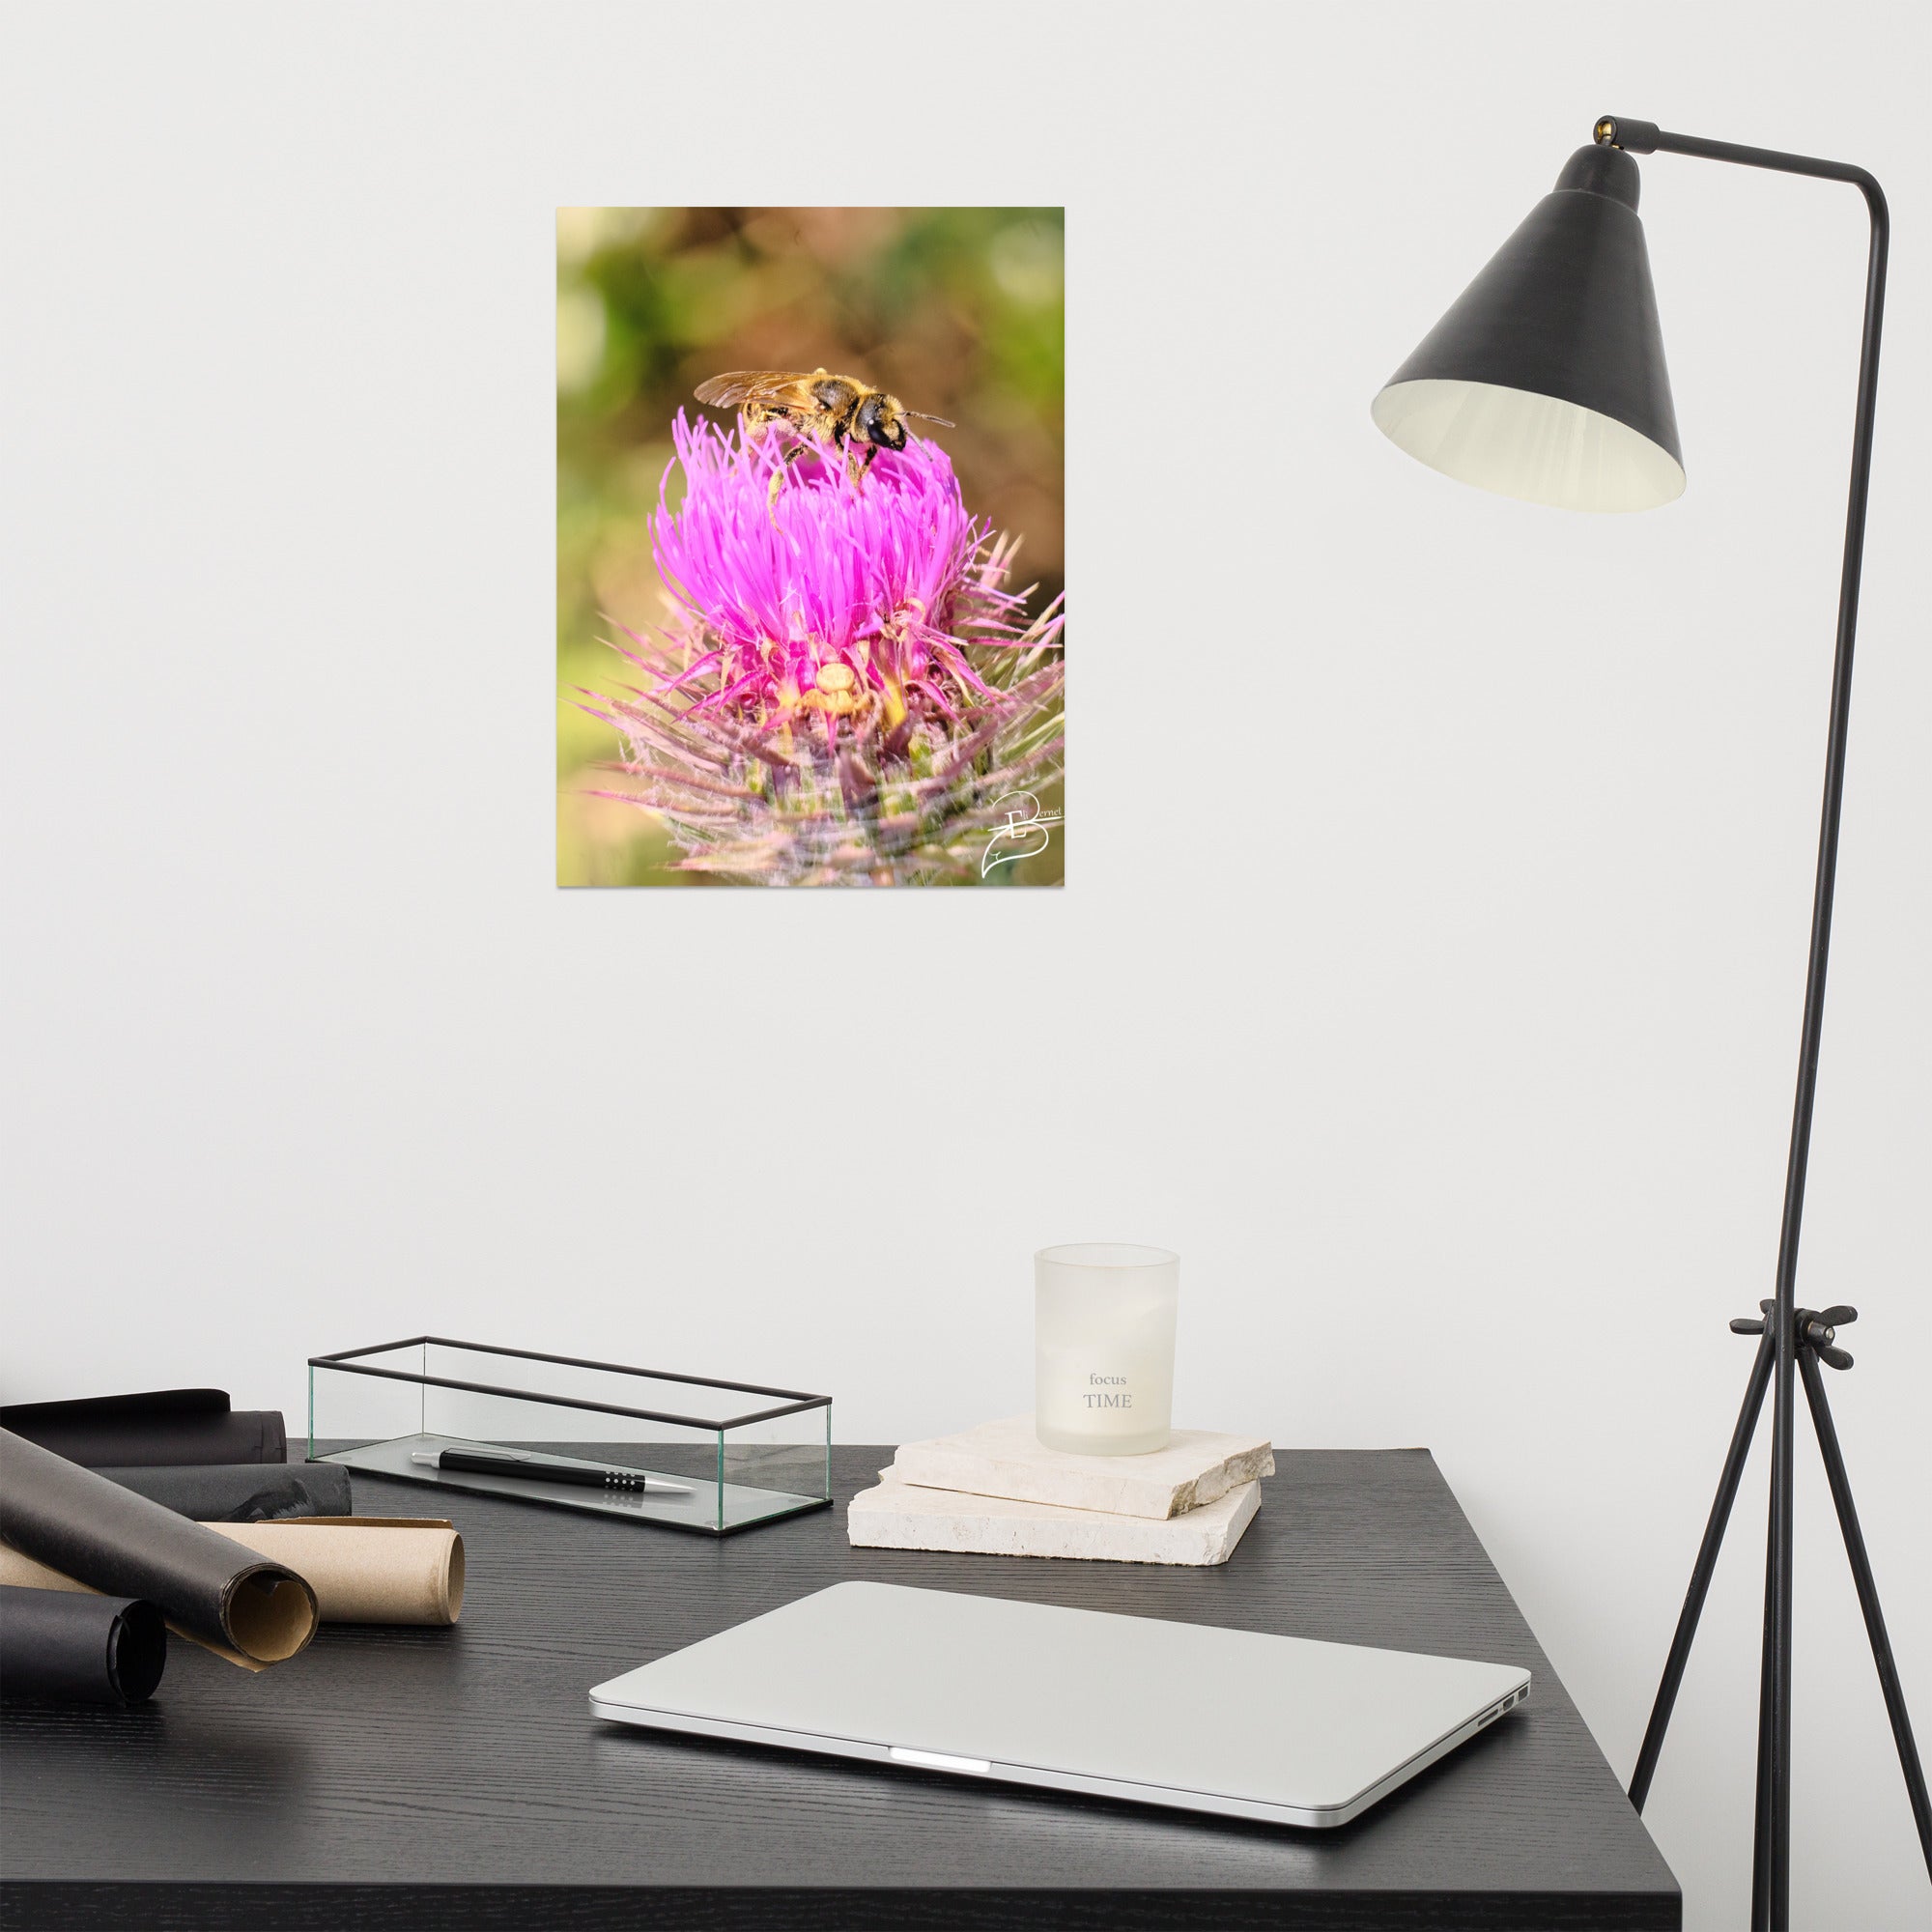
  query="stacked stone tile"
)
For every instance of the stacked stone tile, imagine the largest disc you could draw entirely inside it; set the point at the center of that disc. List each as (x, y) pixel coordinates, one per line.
(996, 1491)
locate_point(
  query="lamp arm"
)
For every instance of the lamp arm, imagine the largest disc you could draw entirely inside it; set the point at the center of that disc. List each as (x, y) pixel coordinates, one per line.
(1771, 1904)
(1646, 137)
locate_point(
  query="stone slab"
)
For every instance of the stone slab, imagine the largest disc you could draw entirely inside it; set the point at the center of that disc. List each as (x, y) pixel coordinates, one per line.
(903, 1515)
(1006, 1458)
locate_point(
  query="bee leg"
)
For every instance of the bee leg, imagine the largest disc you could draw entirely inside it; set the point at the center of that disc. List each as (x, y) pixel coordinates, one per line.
(857, 463)
(779, 477)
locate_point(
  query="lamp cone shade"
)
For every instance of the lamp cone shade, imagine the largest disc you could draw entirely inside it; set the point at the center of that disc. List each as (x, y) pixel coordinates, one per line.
(1545, 381)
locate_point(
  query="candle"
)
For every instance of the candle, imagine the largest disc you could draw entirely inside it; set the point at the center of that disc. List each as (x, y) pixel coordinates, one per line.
(1103, 1347)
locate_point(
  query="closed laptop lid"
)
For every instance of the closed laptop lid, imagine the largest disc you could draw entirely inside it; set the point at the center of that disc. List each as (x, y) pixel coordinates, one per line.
(1278, 1722)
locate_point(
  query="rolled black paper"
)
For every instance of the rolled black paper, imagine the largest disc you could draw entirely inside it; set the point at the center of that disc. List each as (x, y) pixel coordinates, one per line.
(113, 1541)
(162, 1426)
(79, 1649)
(243, 1491)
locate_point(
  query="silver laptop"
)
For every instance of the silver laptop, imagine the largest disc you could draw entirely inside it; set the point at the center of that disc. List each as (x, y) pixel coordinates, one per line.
(1279, 1728)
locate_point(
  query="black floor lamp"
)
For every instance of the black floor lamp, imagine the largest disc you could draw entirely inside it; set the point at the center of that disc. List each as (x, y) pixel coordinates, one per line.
(1546, 381)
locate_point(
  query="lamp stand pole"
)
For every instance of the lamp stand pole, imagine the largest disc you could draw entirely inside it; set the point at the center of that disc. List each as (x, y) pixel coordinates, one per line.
(1794, 1339)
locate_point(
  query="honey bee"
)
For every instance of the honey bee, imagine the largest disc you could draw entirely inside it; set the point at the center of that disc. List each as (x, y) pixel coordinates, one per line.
(839, 409)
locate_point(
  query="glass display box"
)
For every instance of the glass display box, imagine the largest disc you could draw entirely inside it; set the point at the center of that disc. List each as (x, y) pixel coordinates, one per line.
(683, 1452)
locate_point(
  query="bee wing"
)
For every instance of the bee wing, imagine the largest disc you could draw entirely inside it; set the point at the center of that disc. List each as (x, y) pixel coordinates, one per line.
(780, 389)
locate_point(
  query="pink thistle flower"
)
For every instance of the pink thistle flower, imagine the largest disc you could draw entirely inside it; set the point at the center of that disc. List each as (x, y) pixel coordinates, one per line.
(845, 687)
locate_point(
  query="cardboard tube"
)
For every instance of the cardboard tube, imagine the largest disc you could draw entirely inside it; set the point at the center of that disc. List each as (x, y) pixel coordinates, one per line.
(85, 1532)
(366, 1570)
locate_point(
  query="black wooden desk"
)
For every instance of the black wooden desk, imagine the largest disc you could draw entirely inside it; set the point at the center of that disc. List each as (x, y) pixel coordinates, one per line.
(428, 1778)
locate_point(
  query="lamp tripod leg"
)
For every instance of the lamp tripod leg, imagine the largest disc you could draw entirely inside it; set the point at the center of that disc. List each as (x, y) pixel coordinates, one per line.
(1701, 1573)
(1777, 1645)
(1761, 1826)
(1867, 1588)
(1771, 1863)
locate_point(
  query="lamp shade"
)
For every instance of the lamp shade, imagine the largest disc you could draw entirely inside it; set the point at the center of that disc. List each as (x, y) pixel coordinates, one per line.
(1545, 381)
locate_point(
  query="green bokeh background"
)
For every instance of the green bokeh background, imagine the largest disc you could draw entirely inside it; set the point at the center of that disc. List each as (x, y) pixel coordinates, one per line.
(957, 311)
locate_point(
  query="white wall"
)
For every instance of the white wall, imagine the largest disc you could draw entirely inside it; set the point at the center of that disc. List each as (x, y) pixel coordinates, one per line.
(1429, 967)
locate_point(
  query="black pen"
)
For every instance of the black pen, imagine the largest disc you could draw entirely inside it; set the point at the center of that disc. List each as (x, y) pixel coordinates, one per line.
(531, 1469)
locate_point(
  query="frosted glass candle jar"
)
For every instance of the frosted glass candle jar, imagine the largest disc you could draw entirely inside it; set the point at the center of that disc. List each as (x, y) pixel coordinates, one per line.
(1103, 1347)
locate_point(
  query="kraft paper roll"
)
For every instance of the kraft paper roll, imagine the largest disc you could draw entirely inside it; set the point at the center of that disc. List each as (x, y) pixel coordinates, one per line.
(363, 1570)
(89, 1533)
(157, 1426)
(242, 1492)
(367, 1569)
(73, 1649)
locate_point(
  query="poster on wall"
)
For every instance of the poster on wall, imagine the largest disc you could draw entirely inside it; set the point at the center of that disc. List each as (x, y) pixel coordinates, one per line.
(811, 621)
